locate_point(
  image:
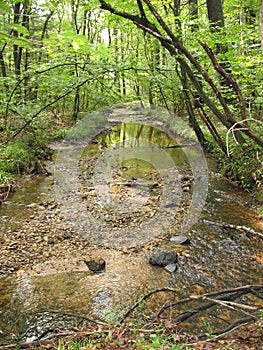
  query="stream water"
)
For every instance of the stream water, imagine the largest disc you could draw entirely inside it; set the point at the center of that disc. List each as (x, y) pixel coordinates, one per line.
(217, 257)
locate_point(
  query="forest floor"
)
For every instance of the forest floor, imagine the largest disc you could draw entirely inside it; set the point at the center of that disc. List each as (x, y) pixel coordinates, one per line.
(126, 336)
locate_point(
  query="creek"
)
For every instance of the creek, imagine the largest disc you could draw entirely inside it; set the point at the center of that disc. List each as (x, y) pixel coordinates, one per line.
(126, 231)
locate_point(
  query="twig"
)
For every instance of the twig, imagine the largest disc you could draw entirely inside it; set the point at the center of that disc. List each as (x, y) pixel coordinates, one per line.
(234, 306)
(217, 335)
(260, 296)
(233, 127)
(145, 297)
(227, 294)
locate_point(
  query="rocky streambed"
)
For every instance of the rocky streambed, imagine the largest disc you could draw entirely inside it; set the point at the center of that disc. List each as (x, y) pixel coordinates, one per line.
(43, 242)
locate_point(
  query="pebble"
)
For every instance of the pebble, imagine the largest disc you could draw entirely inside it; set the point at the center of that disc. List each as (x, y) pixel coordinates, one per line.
(171, 267)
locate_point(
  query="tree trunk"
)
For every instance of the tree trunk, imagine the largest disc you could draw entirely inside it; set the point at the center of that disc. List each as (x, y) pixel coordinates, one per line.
(192, 120)
(16, 50)
(44, 31)
(261, 23)
(215, 14)
(193, 14)
(217, 22)
(2, 64)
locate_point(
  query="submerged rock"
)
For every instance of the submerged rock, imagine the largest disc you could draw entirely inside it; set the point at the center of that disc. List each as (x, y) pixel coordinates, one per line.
(163, 258)
(95, 264)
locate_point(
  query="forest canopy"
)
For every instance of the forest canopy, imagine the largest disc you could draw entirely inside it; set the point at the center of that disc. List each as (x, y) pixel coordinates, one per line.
(202, 61)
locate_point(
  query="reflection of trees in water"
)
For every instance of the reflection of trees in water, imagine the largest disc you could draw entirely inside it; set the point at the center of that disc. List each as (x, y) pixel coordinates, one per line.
(135, 132)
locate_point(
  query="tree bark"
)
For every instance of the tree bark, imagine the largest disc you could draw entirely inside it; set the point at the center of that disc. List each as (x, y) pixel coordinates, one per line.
(192, 119)
(261, 23)
(215, 14)
(16, 50)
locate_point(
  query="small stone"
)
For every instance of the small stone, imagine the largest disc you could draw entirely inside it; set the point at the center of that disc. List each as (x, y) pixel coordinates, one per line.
(163, 258)
(171, 267)
(180, 240)
(125, 250)
(95, 264)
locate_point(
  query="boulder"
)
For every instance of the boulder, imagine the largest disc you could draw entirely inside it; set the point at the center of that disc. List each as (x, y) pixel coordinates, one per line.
(95, 264)
(163, 258)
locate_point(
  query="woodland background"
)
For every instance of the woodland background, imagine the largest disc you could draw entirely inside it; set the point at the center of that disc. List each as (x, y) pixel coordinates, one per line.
(201, 60)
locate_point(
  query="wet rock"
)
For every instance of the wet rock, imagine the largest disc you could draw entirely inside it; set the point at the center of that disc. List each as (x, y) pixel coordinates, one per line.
(95, 264)
(180, 240)
(163, 258)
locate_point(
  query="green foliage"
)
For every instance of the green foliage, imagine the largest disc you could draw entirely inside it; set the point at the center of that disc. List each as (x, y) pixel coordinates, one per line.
(4, 7)
(65, 44)
(14, 157)
(5, 177)
(245, 166)
(25, 154)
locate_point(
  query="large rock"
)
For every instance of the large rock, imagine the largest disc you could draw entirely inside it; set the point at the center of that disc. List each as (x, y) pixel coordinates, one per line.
(95, 264)
(163, 258)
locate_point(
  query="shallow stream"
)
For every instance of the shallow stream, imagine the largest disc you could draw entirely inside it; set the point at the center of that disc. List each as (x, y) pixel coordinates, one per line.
(217, 256)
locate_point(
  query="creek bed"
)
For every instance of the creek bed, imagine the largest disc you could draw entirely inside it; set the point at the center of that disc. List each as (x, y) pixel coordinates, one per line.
(45, 237)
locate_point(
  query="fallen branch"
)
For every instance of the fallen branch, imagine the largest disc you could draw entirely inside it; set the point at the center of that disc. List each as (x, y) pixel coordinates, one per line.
(235, 227)
(236, 306)
(223, 295)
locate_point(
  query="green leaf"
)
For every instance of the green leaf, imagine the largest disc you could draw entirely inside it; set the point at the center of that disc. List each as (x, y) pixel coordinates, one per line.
(5, 7)
(75, 45)
(3, 36)
(18, 28)
(21, 42)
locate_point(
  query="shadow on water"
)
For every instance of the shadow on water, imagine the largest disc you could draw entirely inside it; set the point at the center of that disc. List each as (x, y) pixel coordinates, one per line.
(217, 257)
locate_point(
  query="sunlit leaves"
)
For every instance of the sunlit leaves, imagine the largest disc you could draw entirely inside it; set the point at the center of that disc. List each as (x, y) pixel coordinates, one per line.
(21, 42)
(18, 28)
(4, 7)
(3, 36)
